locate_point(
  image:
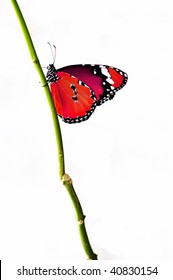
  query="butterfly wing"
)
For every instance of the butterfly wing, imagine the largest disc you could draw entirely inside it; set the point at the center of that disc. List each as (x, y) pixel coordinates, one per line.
(104, 80)
(74, 101)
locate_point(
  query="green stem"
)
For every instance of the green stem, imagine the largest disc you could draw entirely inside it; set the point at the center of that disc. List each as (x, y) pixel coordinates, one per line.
(66, 179)
(38, 68)
(80, 217)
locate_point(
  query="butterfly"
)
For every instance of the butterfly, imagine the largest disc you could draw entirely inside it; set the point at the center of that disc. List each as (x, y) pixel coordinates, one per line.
(77, 89)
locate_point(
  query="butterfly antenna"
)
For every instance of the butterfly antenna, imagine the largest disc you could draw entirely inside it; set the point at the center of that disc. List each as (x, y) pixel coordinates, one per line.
(53, 53)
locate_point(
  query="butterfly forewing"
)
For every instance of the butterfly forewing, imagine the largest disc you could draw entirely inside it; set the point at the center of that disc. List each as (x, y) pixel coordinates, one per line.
(104, 80)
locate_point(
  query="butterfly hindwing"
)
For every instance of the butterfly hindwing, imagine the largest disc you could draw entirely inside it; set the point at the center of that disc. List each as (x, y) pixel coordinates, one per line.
(74, 101)
(104, 80)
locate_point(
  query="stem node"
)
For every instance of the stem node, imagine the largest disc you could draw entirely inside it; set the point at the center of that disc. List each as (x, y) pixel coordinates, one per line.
(81, 222)
(36, 61)
(66, 179)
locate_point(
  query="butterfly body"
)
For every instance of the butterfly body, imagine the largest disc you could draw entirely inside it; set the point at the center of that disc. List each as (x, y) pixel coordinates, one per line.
(78, 89)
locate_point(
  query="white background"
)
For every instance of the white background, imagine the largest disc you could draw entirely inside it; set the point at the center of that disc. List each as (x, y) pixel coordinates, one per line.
(120, 160)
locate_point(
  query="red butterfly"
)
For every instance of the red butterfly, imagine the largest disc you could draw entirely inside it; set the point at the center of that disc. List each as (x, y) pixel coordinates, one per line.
(78, 89)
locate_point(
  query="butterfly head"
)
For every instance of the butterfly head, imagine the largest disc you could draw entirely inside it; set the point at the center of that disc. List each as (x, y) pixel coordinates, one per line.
(51, 74)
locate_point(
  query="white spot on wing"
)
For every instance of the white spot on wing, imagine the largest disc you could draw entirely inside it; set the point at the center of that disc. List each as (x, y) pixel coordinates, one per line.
(104, 71)
(110, 81)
